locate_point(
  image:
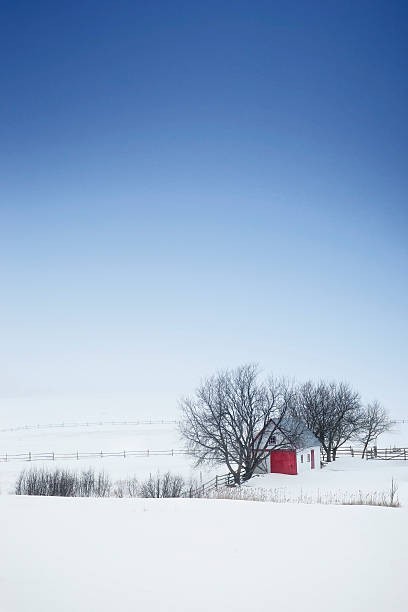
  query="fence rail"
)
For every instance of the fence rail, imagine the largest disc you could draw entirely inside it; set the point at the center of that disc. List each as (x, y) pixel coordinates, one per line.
(387, 454)
(89, 424)
(400, 453)
(344, 451)
(396, 453)
(51, 456)
(225, 480)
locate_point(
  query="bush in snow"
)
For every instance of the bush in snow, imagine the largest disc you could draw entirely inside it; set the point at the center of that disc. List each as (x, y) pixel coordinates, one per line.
(90, 484)
(127, 488)
(166, 485)
(63, 483)
(46, 482)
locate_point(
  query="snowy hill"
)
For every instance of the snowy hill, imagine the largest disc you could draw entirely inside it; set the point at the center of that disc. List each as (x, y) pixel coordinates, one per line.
(199, 555)
(175, 555)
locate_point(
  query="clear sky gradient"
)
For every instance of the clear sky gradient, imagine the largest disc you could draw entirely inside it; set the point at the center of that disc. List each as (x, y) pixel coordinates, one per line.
(187, 186)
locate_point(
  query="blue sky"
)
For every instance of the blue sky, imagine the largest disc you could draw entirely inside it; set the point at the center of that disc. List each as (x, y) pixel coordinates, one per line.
(188, 186)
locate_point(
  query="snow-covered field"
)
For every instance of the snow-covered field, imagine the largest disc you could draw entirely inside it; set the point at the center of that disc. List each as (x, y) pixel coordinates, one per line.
(199, 555)
(397, 436)
(66, 554)
(97, 438)
(346, 476)
(164, 437)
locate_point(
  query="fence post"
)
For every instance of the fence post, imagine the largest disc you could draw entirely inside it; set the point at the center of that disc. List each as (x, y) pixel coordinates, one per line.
(124, 455)
(101, 454)
(216, 482)
(352, 452)
(77, 456)
(29, 456)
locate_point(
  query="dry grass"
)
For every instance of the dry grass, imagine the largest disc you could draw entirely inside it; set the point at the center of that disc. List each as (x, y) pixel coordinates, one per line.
(281, 496)
(90, 484)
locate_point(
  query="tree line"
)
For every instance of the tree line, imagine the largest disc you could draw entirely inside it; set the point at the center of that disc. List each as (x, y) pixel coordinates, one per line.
(225, 420)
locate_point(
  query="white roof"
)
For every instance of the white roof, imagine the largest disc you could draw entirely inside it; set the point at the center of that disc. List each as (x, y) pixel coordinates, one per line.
(295, 431)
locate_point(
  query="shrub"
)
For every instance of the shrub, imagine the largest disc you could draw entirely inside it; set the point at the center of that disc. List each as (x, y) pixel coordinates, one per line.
(127, 488)
(63, 483)
(166, 485)
(45, 482)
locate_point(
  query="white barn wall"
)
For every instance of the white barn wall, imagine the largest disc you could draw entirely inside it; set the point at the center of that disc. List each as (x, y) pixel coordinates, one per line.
(306, 466)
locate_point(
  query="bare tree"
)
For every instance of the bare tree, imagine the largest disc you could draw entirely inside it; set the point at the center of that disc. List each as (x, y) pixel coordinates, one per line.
(374, 422)
(225, 421)
(332, 411)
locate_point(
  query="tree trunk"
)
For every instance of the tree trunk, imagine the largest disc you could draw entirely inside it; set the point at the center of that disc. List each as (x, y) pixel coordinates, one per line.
(364, 450)
(236, 474)
(249, 472)
(237, 478)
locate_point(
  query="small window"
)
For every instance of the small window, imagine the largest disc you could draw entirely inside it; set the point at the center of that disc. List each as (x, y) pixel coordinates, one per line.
(272, 440)
(308, 458)
(301, 458)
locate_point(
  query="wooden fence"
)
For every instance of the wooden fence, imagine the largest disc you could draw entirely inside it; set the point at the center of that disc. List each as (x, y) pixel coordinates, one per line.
(51, 456)
(370, 453)
(400, 453)
(387, 454)
(89, 424)
(225, 480)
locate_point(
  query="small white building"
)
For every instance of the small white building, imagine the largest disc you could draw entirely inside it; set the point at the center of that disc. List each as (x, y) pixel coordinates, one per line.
(290, 448)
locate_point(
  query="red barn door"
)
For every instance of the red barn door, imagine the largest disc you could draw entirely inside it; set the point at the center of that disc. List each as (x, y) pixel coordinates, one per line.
(312, 459)
(283, 462)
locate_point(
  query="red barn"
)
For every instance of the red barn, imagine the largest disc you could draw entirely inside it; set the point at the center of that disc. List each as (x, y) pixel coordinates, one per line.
(289, 447)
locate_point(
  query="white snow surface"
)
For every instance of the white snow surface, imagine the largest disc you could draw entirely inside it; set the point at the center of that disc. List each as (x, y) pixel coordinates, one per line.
(65, 555)
(76, 554)
(397, 436)
(346, 475)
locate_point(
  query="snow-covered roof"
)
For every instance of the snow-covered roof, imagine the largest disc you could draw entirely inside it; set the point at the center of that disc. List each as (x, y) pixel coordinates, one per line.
(295, 431)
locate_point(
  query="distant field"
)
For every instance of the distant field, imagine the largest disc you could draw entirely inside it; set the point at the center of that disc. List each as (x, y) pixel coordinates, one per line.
(398, 436)
(94, 439)
(115, 438)
(158, 555)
